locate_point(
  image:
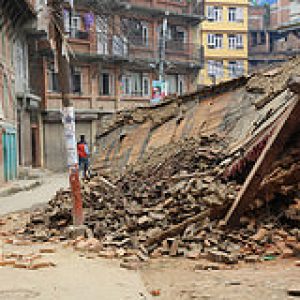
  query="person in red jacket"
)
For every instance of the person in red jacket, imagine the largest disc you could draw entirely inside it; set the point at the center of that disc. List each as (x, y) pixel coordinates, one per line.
(83, 156)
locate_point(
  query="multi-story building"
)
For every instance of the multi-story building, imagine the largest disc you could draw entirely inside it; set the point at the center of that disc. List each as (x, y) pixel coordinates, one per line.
(260, 37)
(224, 35)
(114, 60)
(273, 33)
(17, 17)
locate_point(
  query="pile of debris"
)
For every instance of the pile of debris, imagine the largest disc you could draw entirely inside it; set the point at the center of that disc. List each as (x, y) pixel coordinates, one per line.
(266, 86)
(170, 202)
(173, 187)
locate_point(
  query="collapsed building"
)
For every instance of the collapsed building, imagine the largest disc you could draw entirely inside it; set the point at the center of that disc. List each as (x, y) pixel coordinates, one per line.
(168, 178)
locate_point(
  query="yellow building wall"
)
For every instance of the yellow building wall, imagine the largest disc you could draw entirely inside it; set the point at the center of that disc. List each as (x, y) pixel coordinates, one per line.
(224, 27)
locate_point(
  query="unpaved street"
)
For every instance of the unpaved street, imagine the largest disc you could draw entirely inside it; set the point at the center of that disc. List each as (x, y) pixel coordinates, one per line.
(177, 280)
(39, 195)
(79, 274)
(73, 277)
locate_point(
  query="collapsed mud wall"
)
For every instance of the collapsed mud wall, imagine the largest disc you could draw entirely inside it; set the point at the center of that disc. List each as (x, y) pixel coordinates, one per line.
(227, 109)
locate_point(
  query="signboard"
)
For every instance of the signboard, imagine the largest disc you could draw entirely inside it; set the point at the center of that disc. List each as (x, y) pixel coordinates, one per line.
(158, 91)
(70, 138)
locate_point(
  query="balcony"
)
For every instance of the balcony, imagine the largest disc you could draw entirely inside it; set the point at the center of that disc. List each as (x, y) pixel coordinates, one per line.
(176, 52)
(114, 46)
(183, 12)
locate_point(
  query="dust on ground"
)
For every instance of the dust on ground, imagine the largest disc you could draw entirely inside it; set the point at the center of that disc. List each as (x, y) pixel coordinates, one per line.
(176, 279)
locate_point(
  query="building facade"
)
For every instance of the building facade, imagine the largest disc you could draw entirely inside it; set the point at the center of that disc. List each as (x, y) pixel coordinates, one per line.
(115, 58)
(224, 35)
(273, 33)
(17, 20)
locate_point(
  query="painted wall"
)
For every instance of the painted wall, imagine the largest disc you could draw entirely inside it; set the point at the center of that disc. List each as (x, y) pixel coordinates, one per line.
(224, 27)
(8, 156)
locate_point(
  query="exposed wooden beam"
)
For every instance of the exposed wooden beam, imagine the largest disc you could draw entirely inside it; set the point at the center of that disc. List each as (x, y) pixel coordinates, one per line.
(289, 123)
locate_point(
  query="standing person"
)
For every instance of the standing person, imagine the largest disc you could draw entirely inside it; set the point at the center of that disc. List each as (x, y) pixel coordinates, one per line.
(83, 156)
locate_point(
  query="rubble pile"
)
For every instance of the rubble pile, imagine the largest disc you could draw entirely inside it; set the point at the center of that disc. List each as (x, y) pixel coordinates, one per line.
(170, 203)
(271, 227)
(266, 86)
(173, 187)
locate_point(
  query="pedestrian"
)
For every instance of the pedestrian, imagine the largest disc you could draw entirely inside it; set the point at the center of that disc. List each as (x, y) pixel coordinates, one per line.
(83, 156)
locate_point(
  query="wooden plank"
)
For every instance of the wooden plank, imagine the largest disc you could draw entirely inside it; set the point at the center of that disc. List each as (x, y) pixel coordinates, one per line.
(287, 126)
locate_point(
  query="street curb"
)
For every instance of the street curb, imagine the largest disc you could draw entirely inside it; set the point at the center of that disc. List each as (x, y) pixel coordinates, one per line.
(16, 188)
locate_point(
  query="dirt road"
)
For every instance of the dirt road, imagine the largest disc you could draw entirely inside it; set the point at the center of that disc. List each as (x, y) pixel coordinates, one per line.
(77, 275)
(177, 280)
(38, 195)
(74, 277)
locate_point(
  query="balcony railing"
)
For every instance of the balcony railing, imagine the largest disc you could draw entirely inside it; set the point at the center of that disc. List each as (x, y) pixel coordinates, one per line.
(112, 46)
(176, 8)
(176, 51)
(141, 49)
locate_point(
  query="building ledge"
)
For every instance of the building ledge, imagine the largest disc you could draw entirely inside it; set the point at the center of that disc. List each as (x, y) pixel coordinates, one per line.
(157, 12)
(55, 115)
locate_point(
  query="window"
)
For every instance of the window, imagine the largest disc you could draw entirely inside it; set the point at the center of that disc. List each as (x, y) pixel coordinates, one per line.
(146, 86)
(72, 24)
(232, 11)
(175, 84)
(126, 85)
(102, 35)
(239, 41)
(253, 39)
(180, 85)
(232, 41)
(75, 26)
(235, 14)
(136, 84)
(53, 85)
(214, 13)
(176, 37)
(106, 84)
(136, 30)
(235, 68)
(66, 21)
(215, 68)
(76, 80)
(262, 38)
(235, 41)
(215, 41)
(120, 46)
(145, 34)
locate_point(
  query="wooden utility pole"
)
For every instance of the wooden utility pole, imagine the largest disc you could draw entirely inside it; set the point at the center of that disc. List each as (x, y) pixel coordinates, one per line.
(56, 7)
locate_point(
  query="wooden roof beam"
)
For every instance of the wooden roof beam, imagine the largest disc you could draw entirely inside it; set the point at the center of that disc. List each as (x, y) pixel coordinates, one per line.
(289, 123)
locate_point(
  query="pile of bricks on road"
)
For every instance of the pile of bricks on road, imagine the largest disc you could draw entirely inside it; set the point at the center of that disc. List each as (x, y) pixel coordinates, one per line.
(170, 203)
